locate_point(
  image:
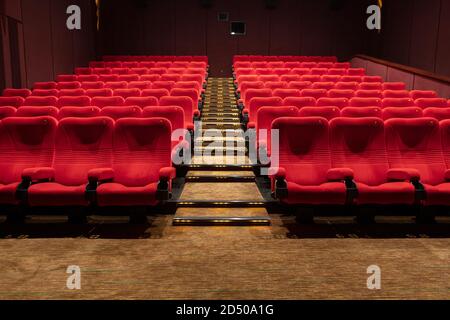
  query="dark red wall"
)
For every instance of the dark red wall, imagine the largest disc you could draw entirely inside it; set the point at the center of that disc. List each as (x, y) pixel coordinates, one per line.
(415, 33)
(184, 27)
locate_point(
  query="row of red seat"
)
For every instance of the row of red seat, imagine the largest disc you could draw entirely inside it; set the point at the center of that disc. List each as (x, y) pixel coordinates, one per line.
(299, 72)
(138, 71)
(148, 64)
(78, 162)
(155, 58)
(128, 78)
(363, 161)
(254, 58)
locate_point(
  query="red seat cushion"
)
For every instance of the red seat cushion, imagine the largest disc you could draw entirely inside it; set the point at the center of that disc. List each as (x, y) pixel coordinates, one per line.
(8, 193)
(116, 194)
(55, 194)
(332, 193)
(386, 193)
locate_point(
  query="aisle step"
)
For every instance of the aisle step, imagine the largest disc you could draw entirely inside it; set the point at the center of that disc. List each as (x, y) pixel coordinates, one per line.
(222, 221)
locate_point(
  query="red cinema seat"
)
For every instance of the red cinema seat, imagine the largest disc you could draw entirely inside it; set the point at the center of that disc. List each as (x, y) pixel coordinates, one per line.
(310, 78)
(370, 86)
(289, 77)
(325, 65)
(301, 72)
(186, 103)
(41, 101)
(402, 112)
(341, 103)
(113, 64)
(101, 71)
(361, 112)
(157, 70)
(108, 78)
(280, 71)
(324, 112)
(273, 85)
(365, 102)
(264, 72)
(372, 79)
(330, 78)
(394, 86)
(82, 146)
(92, 85)
(37, 112)
(342, 65)
(193, 77)
(244, 86)
(168, 85)
(171, 77)
(142, 166)
(189, 85)
(414, 146)
(247, 78)
(269, 78)
(314, 93)
(163, 64)
(25, 144)
(339, 93)
(11, 101)
(256, 103)
(82, 101)
(323, 85)
(284, 93)
(243, 72)
(353, 86)
(437, 113)
(368, 94)
(139, 71)
(304, 164)
(147, 64)
(79, 112)
(337, 72)
(10, 92)
(67, 78)
(99, 93)
(45, 85)
(107, 101)
(150, 77)
(308, 65)
(357, 79)
(299, 102)
(6, 112)
(71, 92)
(88, 78)
(259, 64)
(114, 85)
(128, 77)
(83, 71)
(419, 94)
(275, 64)
(319, 71)
(127, 93)
(264, 119)
(253, 93)
(191, 93)
(141, 102)
(130, 64)
(431, 103)
(299, 85)
(121, 112)
(242, 64)
(397, 102)
(356, 72)
(120, 71)
(292, 64)
(157, 93)
(358, 147)
(396, 94)
(45, 93)
(174, 114)
(68, 85)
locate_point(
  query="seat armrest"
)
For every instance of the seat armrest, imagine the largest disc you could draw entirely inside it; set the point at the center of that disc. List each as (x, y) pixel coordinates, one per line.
(38, 174)
(403, 174)
(190, 127)
(245, 111)
(447, 175)
(100, 175)
(251, 125)
(339, 174)
(196, 113)
(277, 173)
(167, 173)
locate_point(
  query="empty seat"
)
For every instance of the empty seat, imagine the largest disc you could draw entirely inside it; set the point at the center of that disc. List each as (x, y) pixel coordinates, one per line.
(191, 93)
(370, 79)
(78, 112)
(126, 93)
(83, 71)
(6, 112)
(45, 93)
(120, 71)
(107, 101)
(301, 71)
(92, 85)
(335, 102)
(128, 77)
(337, 71)
(88, 78)
(324, 112)
(45, 85)
(419, 94)
(139, 71)
(319, 71)
(141, 102)
(415, 144)
(358, 152)
(121, 112)
(113, 64)
(150, 77)
(437, 113)
(357, 79)
(289, 77)
(253, 93)
(41, 101)
(10, 92)
(66, 78)
(130, 64)
(330, 78)
(325, 65)
(269, 78)
(168, 85)
(347, 86)
(170, 77)
(244, 86)
(37, 112)
(186, 103)
(323, 85)
(356, 72)
(402, 112)
(308, 65)
(311, 78)
(157, 70)
(342, 65)
(299, 85)
(157, 93)
(299, 102)
(256, 103)
(292, 64)
(397, 102)
(284, 93)
(395, 94)
(68, 85)
(431, 103)
(340, 93)
(25, 144)
(361, 112)
(142, 164)
(368, 94)
(101, 71)
(81, 145)
(273, 85)
(11, 101)
(304, 164)
(108, 77)
(394, 86)
(105, 92)
(365, 102)
(82, 101)
(71, 92)
(116, 85)
(280, 71)
(314, 93)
